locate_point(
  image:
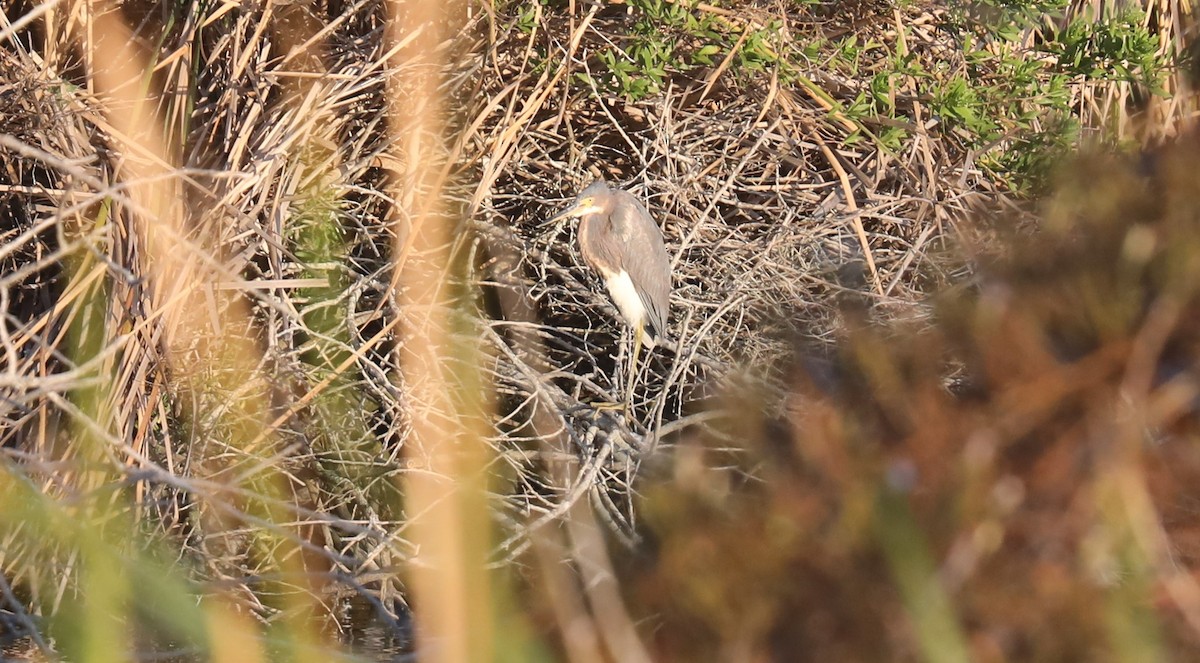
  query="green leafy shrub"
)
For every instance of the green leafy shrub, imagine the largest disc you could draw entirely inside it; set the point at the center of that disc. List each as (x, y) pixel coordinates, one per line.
(1013, 97)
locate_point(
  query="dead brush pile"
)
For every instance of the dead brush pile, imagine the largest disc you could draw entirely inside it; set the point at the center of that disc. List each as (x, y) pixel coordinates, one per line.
(772, 218)
(209, 380)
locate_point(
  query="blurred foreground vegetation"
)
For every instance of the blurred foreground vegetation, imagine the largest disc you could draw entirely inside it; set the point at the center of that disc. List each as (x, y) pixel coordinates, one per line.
(289, 369)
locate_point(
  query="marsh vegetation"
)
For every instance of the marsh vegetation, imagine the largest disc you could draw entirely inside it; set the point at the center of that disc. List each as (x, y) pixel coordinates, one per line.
(286, 350)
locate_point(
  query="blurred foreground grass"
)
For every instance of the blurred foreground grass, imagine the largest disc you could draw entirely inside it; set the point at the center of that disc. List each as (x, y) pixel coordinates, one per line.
(1013, 480)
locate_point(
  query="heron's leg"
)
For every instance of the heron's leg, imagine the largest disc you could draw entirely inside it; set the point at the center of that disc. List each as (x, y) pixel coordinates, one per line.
(633, 361)
(615, 404)
(629, 383)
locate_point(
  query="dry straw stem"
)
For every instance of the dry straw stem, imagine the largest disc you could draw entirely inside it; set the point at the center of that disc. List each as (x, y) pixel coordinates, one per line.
(445, 481)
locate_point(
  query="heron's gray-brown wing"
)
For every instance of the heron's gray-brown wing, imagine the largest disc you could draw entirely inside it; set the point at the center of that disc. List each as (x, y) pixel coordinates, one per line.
(643, 256)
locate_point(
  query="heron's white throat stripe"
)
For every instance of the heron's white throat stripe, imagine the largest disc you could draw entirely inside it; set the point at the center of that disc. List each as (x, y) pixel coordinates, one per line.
(587, 209)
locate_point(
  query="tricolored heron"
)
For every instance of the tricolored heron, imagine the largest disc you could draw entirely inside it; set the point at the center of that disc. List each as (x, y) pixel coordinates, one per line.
(619, 239)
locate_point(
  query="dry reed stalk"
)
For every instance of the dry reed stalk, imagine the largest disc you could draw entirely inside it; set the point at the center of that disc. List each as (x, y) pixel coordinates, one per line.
(444, 487)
